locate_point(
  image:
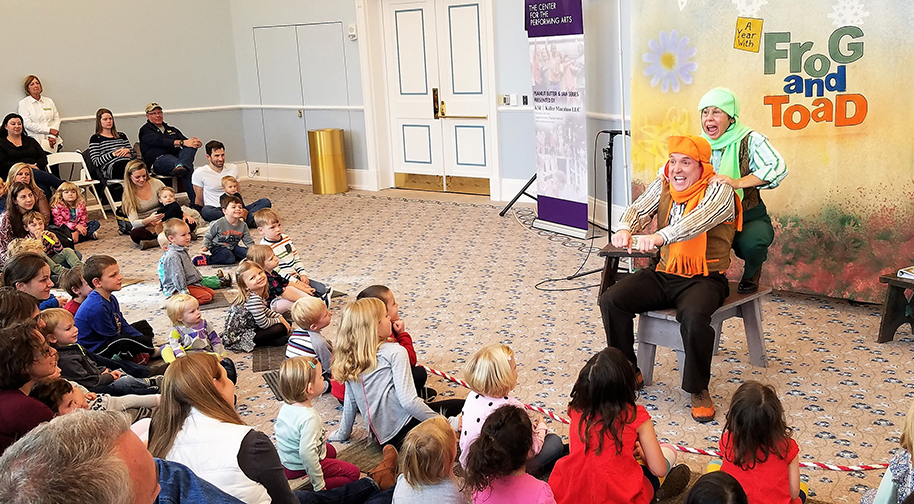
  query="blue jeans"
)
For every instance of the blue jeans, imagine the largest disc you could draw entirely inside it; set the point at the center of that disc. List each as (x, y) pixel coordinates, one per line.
(211, 213)
(125, 385)
(47, 182)
(222, 255)
(165, 165)
(357, 492)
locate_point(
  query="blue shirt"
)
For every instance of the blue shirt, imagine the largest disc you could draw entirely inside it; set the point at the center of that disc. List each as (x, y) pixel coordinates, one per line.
(99, 320)
(180, 484)
(50, 302)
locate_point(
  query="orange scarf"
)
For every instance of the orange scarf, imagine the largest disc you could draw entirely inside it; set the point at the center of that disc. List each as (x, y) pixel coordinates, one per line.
(689, 258)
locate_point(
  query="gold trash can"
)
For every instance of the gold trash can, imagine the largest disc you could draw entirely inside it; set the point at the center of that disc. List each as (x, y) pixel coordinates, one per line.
(328, 161)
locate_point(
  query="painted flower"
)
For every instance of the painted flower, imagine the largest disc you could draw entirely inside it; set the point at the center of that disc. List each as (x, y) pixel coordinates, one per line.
(669, 61)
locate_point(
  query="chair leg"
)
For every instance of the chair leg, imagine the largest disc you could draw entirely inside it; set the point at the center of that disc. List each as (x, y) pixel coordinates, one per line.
(111, 203)
(101, 205)
(755, 339)
(646, 354)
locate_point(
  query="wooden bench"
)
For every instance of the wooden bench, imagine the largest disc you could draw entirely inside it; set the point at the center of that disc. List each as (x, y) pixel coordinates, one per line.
(660, 328)
(894, 309)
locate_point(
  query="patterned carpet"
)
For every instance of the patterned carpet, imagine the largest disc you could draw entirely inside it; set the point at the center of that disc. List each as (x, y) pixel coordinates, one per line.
(465, 277)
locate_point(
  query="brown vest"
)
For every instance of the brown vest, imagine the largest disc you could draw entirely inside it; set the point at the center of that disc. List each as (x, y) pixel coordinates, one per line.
(720, 237)
(751, 197)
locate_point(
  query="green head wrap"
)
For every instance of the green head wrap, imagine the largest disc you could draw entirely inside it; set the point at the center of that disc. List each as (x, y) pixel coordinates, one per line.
(725, 100)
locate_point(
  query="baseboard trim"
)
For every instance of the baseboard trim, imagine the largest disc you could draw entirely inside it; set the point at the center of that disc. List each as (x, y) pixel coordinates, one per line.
(364, 180)
(510, 188)
(596, 208)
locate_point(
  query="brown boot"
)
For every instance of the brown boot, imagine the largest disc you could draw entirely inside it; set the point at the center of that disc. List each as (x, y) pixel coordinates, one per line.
(702, 407)
(385, 474)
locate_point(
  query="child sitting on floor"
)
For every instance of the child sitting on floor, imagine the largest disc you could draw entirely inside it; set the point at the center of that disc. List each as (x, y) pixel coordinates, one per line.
(75, 364)
(281, 294)
(401, 337)
(290, 266)
(427, 465)
(898, 483)
(73, 283)
(178, 275)
(25, 245)
(495, 464)
(607, 450)
(300, 436)
(170, 208)
(191, 331)
(64, 396)
(716, 488)
(311, 315)
(35, 224)
(102, 327)
(492, 374)
(758, 449)
(68, 208)
(251, 322)
(224, 239)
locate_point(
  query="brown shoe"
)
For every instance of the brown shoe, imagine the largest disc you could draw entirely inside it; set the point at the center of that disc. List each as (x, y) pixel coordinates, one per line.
(702, 407)
(385, 474)
(675, 482)
(750, 285)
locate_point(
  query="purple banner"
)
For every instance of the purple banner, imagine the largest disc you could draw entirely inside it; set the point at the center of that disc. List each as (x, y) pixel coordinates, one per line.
(564, 212)
(553, 18)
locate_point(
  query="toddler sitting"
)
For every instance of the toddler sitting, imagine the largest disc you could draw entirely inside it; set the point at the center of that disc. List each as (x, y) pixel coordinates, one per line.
(290, 265)
(63, 397)
(311, 315)
(280, 294)
(35, 224)
(171, 209)
(68, 208)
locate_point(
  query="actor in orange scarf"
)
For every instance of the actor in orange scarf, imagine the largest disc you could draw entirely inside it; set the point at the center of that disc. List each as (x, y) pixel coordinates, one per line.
(696, 222)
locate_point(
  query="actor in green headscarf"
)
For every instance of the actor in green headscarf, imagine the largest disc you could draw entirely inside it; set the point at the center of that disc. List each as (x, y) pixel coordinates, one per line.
(745, 161)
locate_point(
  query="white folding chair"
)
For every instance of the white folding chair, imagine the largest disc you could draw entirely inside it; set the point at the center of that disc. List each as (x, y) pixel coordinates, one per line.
(78, 174)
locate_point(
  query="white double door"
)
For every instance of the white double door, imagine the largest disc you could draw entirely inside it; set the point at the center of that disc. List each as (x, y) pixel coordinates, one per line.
(438, 87)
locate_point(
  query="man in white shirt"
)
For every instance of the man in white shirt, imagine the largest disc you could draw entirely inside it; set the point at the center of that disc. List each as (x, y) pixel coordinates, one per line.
(207, 181)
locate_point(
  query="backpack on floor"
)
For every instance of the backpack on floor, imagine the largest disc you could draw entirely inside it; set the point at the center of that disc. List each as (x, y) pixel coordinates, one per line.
(239, 329)
(124, 226)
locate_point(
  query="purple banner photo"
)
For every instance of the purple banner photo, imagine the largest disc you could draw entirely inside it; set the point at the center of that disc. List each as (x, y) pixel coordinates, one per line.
(550, 18)
(569, 213)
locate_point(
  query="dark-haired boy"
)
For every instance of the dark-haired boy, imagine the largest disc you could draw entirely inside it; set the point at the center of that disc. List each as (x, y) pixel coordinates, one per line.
(224, 238)
(102, 327)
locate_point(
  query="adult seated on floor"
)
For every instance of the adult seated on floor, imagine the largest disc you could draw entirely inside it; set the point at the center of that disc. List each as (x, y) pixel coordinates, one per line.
(208, 185)
(166, 150)
(17, 147)
(696, 224)
(141, 205)
(21, 200)
(94, 457)
(25, 358)
(197, 425)
(22, 172)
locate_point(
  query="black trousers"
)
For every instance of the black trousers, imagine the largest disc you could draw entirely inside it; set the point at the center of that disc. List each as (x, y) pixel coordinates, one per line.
(695, 300)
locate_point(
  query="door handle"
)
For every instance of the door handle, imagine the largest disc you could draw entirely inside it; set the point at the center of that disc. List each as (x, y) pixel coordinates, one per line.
(443, 114)
(435, 107)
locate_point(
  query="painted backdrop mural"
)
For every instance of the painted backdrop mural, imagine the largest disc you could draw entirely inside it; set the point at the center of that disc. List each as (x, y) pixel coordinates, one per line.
(829, 82)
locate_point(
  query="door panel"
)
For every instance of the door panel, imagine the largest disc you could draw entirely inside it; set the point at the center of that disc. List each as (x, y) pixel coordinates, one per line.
(323, 64)
(280, 85)
(285, 137)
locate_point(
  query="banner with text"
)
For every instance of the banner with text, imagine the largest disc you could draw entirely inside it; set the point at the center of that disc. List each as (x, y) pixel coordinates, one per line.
(827, 81)
(556, 33)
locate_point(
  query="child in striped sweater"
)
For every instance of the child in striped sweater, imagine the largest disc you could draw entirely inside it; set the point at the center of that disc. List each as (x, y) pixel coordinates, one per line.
(269, 328)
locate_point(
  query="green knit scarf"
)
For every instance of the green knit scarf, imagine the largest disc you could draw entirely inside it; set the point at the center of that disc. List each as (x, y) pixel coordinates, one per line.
(729, 142)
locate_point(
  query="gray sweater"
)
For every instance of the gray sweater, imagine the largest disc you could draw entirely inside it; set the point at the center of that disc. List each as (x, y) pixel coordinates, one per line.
(390, 393)
(220, 232)
(178, 271)
(446, 491)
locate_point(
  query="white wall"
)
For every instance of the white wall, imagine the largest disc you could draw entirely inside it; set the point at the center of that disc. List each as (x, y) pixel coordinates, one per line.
(122, 54)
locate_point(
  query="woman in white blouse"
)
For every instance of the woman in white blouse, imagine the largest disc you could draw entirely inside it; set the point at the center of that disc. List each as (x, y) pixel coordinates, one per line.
(42, 121)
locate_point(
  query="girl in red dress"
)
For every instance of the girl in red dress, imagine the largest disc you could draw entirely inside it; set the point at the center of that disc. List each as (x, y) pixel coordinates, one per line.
(758, 449)
(609, 434)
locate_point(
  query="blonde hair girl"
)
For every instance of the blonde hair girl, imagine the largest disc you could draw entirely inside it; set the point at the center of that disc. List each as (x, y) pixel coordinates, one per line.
(377, 376)
(280, 294)
(492, 374)
(897, 484)
(427, 464)
(68, 208)
(300, 436)
(269, 328)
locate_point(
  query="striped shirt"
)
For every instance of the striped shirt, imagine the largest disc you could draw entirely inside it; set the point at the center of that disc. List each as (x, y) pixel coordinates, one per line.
(290, 266)
(264, 317)
(716, 207)
(101, 152)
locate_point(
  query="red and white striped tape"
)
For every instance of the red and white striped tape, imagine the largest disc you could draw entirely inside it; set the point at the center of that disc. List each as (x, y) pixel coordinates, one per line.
(686, 449)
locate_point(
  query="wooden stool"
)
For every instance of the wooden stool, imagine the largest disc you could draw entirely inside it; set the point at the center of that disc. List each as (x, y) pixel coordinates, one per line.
(894, 308)
(661, 328)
